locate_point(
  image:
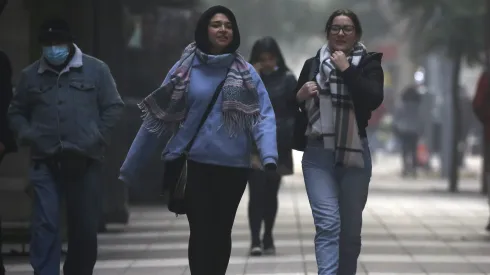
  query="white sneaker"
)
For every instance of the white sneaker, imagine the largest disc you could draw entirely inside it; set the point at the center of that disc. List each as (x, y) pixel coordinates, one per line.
(256, 251)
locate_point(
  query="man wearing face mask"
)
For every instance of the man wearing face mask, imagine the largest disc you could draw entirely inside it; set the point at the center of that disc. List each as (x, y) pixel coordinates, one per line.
(64, 108)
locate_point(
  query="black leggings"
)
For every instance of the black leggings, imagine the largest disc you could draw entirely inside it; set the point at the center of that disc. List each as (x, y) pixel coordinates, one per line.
(213, 194)
(262, 205)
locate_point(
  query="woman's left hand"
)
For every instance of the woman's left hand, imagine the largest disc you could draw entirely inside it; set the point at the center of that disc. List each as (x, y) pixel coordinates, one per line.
(340, 61)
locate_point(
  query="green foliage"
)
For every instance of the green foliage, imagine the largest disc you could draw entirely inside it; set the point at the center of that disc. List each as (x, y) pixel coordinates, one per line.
(450, 26)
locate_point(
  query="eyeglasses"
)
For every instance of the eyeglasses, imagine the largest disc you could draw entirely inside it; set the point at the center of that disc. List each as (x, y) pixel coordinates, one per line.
(221, 24)
(347, 29)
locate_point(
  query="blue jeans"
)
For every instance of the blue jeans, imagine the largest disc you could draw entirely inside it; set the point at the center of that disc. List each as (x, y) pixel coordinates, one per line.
(337, 198)
(82, 209)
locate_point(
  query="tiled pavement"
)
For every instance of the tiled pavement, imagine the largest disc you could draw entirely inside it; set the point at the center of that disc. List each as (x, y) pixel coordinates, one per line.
(410, 227)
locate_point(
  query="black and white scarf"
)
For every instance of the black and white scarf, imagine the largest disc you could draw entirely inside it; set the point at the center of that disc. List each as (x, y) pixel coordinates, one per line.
(331, 115)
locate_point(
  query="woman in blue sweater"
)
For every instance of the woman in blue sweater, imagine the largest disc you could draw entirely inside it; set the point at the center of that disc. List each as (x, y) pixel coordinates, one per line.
(219, 160)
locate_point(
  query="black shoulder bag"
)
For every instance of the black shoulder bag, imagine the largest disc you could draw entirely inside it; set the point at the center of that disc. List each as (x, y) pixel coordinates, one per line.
(175, 173)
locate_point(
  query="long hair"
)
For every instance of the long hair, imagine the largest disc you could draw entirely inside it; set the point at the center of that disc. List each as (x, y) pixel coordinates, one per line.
(268, 45)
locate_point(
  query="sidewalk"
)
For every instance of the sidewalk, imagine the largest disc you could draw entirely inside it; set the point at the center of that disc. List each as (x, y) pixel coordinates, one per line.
(410, 227)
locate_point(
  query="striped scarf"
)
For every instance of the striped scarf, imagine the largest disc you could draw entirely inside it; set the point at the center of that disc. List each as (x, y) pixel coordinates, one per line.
(331, 115)
(166, 108)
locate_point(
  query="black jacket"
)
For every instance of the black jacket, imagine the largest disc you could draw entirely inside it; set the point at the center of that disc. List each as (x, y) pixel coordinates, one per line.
(281, 87)
(6, 135)
(365, 83)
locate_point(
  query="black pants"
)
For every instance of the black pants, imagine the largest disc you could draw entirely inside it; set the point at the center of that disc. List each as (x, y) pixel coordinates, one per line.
(262, 205)
(409, 152)
(213, 194)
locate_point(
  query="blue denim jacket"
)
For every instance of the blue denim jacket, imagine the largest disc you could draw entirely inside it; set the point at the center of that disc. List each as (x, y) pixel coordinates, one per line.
(73, 110)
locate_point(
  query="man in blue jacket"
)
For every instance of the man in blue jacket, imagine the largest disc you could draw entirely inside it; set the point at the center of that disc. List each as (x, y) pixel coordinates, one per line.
(64, 108)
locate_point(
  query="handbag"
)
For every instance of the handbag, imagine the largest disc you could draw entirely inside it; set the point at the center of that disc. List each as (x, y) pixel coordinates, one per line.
(300, 126)
(175, 171)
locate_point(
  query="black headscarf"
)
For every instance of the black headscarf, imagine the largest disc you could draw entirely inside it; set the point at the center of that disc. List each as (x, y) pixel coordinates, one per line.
(201, 33)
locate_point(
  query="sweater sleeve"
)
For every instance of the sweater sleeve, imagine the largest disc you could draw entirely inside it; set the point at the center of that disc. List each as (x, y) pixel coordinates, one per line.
(264, 133)
(144, 145)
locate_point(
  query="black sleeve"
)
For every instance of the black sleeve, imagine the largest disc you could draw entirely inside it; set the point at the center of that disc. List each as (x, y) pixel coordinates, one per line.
(366, 84)
(291, 84)
(303, 78)
(5, 96)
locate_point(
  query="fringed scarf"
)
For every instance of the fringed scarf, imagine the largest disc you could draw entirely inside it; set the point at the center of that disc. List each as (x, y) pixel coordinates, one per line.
(331, 115)
(166, 107)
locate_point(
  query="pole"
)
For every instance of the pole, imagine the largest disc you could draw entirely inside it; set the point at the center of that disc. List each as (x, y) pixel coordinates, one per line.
(486, 149)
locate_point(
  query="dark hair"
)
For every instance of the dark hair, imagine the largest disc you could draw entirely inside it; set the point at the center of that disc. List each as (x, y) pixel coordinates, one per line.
(268, 45)
(201, 33)
(411, 93)
(348, 13)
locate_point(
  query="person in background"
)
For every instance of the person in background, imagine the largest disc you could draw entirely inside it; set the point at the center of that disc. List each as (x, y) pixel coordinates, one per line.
(374, 125)
(280, 83)
(219, 160)
(64, 108)
(408, 127)
(337, 91)
(7, 140)
(481, 108)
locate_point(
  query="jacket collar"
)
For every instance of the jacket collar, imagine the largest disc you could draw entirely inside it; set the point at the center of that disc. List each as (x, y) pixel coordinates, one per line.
(75, 62)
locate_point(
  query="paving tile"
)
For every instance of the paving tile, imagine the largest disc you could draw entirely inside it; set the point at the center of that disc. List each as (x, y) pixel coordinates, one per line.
(453, 268)
(154, 271)
(394, 268)
(408, 229)
(273, 268)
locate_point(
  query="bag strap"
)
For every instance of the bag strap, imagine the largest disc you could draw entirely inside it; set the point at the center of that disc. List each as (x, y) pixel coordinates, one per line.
(206, 113)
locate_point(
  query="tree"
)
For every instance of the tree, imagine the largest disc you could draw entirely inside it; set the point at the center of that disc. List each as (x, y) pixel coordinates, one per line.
(455, 28)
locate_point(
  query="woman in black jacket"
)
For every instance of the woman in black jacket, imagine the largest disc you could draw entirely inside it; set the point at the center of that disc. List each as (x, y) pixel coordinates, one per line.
(280, 83)
(337, 91)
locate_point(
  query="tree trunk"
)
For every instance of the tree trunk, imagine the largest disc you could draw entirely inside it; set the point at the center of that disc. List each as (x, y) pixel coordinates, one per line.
(486, 151)
(456, 122)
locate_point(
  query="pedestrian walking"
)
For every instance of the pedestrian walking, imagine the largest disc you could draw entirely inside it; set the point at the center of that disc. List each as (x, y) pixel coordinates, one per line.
(337, 91)
(408, 126)
(280, 82)
(218, 158)
(64, 108)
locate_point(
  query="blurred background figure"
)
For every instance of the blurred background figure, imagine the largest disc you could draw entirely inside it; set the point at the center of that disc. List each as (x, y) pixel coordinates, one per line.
(7, 141)
(280, 83)
(407, 125)
(481, 107)
(373, 130)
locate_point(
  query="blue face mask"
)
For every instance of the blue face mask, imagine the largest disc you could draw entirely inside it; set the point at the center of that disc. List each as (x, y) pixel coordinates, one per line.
(56, 55)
